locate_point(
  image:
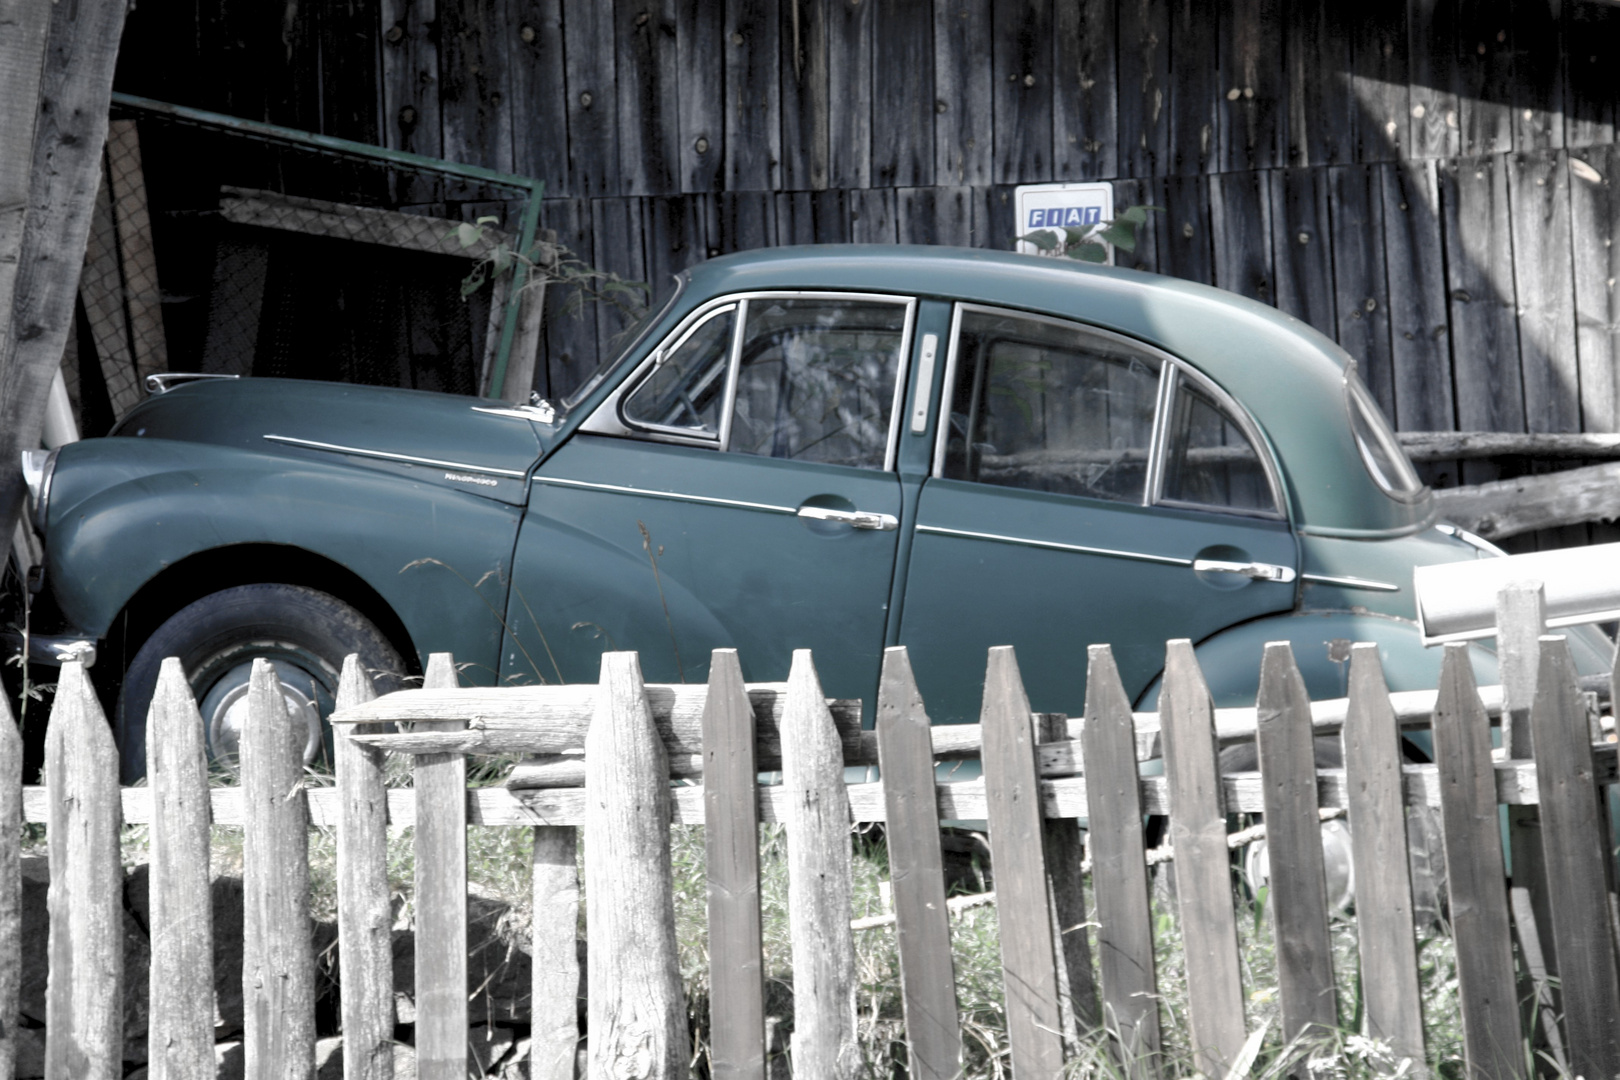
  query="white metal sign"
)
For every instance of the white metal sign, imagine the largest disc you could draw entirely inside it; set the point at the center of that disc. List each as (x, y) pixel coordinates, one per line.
(1062, 206)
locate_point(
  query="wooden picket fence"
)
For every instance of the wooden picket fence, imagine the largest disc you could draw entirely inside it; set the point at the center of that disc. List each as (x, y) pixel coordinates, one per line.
(603, 759)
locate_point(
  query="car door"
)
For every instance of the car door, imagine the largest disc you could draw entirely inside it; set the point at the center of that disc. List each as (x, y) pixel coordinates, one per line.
(737, 491)
(1086, 489)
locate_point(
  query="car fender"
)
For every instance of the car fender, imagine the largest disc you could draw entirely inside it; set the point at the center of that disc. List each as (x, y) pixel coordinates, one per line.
(122, 511)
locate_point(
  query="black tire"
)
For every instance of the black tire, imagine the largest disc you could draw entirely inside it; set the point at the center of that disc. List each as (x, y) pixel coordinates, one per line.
(304, 632)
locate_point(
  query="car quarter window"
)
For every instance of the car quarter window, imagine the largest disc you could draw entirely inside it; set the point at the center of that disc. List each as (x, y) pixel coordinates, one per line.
(685, 391)
(1209, 460)
(817, 378)
(1050, 406)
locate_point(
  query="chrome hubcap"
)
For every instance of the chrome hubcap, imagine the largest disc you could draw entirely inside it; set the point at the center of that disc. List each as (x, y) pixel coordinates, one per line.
(227, 716)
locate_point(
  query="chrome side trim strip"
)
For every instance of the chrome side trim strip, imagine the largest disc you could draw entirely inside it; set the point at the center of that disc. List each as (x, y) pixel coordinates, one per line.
(673, 496)
(387, 455)
(1350, 582)
(1165, 560)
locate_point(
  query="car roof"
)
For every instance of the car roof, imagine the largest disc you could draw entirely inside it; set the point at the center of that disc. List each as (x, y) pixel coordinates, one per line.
(1289, 375)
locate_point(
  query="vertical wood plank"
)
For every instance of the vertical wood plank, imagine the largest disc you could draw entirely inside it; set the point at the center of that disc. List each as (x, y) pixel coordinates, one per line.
(1594, 211)
(180, 993)
(127, 179)
(1240, 220)
(731, 844)
(1543, 275)
(753, 96)
(365, 915)
(278, 969)
(1119, 867)
(440, 846)
(700, 33)
(1432, 37)
(570, 329)
(1419, 321)
(746, 221)
(1203, 863)
(554, 979)
(675, 241)
(1380, 74)
(1323, 103)
(849, 110)
(1485, 76)
(1144, 87)
(1085, 101)
(963, 91)
(1592, 34)
(475, 98)
(1186, 241)
(1301, 246)
(1021, 59)
(1361, 289)
(1298, 896)
(347, 32)
(1474, 873)
(805, 97)
(872, 216)
(616, 245)
(1574, 837)
(101, 290)
(1539, 56)
(591, 73)
(811, 217)
(1196, 94)
(903, 94)
(1141, 193)
(917, 873)
(819, 904)
(1384, 920)
(648, 91)
(11, 821)
(539, 92)
(935, 215)
(637, 1011)
(1065, 848)
(1253, 104)
(84, 998)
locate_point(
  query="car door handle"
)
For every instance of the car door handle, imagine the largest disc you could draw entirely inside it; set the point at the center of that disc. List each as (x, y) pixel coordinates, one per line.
(1259, 571)
(858, 519)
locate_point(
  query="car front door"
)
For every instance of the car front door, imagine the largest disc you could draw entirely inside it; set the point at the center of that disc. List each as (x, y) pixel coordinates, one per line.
(1085, 489)
(738, 490)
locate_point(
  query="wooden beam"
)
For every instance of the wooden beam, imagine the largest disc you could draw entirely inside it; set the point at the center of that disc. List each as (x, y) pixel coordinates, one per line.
(1456, 445)
(1504, 508)
(362, 224)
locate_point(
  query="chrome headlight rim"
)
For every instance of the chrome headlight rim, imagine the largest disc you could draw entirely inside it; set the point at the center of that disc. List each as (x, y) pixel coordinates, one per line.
(38, 468)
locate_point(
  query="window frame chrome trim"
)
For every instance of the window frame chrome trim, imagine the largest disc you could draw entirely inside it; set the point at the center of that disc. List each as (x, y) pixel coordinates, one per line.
(673, 496)
(389, 455)
(1053, 545)
(943, 409)
(683, 334)
(902, 378)
(1349, 582)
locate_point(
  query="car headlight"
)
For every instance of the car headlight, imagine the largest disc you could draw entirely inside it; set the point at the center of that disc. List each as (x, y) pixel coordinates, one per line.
(37, 468)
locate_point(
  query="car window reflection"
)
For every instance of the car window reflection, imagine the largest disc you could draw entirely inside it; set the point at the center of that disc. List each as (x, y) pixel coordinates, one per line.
(1210, 461)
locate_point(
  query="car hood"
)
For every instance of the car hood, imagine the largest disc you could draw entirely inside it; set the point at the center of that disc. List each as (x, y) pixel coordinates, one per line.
(449, 439)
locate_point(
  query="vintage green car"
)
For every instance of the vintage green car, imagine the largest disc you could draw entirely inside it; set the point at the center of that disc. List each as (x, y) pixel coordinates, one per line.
(835, 448)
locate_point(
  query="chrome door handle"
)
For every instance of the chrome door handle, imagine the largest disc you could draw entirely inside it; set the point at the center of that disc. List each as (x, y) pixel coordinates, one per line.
(1259, 571)
(857, 519)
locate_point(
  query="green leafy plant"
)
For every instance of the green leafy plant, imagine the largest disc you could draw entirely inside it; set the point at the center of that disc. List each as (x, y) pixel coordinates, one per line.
(548, 263)
(1090, 243)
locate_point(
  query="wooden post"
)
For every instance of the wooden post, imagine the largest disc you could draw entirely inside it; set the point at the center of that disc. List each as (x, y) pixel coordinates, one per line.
(84, 996)
(75, 90)
(1118, 867)
(22, 54)
(554, 1014)
(1372, 762)
(180, 993)
(278, 969)
(365, 915)
(441, 897)
(1474, 872)
(11, 821)
(917, 873)
(817, 817)
(1064, 842)
(1298, 890)
(637, 1011)
(1203, 863)
(731, 843)
(1576, 865)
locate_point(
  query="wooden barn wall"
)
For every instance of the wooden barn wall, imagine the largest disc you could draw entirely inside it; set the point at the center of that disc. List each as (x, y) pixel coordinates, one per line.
(1430, 182)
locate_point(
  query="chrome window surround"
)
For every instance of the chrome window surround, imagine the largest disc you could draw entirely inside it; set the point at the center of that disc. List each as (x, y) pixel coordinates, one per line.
(609, 419)
(1171, 371)
(682, 337)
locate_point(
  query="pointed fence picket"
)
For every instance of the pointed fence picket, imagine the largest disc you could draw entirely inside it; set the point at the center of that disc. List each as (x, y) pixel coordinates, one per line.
(604, 757)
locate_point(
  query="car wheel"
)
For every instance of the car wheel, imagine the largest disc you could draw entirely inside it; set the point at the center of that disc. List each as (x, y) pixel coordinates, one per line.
(304, 633)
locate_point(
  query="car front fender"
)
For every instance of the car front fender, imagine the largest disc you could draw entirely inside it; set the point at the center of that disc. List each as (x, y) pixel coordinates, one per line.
(122, 511)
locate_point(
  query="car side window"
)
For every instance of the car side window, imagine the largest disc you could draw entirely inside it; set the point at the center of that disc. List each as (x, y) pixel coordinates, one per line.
(1045, 405)
(1209, 460)
(685, 391)
(816, 379)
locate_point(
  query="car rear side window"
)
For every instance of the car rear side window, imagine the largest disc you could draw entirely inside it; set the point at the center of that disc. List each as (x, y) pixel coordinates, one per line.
(816, 380)
(1047, 406)
(1210, 461)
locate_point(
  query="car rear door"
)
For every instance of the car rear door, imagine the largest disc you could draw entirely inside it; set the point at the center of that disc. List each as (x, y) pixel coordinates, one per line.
(1085, 489)
(738, 491)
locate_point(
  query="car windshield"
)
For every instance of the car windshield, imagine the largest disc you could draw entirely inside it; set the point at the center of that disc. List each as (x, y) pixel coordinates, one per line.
(632, 335)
